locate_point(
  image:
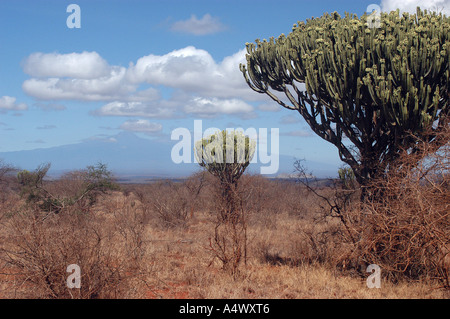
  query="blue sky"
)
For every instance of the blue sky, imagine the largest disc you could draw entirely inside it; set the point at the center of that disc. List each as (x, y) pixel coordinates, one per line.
(147, 67)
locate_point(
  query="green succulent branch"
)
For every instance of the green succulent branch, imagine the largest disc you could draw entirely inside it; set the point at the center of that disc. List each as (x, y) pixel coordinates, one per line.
(377, 87)
(226, 155)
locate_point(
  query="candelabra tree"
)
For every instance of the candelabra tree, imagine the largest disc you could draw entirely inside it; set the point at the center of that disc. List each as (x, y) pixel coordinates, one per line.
(370, 85)
(226, 155)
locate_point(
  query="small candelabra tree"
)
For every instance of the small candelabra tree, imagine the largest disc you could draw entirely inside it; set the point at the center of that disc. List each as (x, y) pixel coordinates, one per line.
(226, 155)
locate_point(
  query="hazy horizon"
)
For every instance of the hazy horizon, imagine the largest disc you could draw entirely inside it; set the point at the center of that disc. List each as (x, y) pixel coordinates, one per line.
(147, 67)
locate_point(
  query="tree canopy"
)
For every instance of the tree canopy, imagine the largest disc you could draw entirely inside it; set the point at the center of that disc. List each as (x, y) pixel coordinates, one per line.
(369, 90)
(225, 154)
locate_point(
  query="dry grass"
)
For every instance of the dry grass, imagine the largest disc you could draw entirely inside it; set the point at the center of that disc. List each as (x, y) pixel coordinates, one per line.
(153, 248)
(182, 268)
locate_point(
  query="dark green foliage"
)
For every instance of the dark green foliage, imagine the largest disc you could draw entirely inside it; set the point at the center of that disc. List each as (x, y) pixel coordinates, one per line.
(97, 179)
(347, 177)
(31, 183)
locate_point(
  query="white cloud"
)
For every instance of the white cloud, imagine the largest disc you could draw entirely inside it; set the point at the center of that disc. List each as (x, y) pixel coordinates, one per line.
(101, 138)
(178, 106)
(206, 25)
(140, 109)
(143, 126)
(211, 107)
(85, 65)
(411, 5)
(8, 103)
(199, 84)
(103, 88)
(175, 69)
(194, 70)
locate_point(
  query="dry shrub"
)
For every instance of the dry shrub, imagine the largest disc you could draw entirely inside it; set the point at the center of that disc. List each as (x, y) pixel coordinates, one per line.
(9, 198)
(315, 234)
(67, 189)
(406, 230)
(320, 242)
(128, 219)
(77, 190)
(263, 199)
(38, 251)
(259, 195)
(172, 203)
(228, 244)
(10, 203)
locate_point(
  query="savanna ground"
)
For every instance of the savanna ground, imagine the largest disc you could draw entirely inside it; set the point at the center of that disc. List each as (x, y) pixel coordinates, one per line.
(156, 241)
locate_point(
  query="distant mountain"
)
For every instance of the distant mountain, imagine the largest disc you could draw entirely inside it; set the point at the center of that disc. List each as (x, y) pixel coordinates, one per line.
(131, 157)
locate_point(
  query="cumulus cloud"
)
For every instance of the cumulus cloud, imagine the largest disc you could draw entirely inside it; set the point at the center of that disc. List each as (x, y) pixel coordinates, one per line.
(206, 25)
(176, 107)
(142, 126)
(411, 5)
(8, 103)
(199, 84)
(101, 138)
(176, 68)
(85, 65)
(207, 107)
(104, 88)
(162, 109)
(193, 70)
